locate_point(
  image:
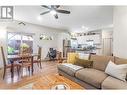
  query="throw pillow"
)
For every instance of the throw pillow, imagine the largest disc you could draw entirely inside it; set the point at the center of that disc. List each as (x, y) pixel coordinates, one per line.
(71, 57)
(117, 71)
(84, 63)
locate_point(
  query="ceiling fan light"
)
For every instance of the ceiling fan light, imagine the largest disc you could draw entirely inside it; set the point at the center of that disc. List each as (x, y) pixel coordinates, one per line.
(53, 12)
(39, 18)
(84, 28)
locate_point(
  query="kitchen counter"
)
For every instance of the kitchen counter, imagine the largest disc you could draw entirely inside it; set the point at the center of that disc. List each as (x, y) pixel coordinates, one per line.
(87, 51)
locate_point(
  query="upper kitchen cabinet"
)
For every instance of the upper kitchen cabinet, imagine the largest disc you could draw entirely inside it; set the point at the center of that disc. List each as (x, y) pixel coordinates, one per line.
(87, 38)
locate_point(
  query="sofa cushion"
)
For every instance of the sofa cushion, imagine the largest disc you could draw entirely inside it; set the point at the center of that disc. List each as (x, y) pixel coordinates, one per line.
(113, 83)
(69, 68)
(84, 63)
(91, 76)
(100, 62)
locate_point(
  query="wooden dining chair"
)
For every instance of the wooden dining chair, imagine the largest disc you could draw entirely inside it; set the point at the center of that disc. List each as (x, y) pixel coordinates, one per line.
(24, 52)
(25, 62)
(8, 65)
(38, 59)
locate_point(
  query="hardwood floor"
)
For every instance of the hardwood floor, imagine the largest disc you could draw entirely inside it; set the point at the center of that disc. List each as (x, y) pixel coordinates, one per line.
(18, 81)
(50, 81)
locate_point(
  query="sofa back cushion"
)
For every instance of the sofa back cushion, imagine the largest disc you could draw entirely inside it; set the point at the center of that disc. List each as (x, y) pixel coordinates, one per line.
(120, 60)
(100, 62)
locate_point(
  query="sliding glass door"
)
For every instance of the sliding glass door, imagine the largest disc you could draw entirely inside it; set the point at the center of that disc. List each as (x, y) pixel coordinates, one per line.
(17, 40)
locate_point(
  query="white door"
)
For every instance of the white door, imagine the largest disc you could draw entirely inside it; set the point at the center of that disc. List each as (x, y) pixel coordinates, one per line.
(107, 46)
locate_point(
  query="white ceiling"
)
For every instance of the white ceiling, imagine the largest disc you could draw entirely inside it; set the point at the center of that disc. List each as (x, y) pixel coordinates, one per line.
(93, 17)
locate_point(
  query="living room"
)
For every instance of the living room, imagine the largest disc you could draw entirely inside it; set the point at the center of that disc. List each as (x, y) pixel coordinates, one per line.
(95, 37)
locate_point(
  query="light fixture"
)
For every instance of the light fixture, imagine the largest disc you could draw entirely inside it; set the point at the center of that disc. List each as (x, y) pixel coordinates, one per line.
(84, 28)
(39, 18)
(53, 12)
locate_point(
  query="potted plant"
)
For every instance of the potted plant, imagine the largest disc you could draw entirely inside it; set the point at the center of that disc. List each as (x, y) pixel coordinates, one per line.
(24, 48)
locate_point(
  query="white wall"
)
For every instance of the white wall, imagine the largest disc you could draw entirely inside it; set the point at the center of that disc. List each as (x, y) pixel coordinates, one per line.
(58, 36)
(120, 31)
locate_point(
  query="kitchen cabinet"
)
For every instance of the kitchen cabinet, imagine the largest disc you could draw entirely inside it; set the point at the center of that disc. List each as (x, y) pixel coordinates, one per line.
(84, 39)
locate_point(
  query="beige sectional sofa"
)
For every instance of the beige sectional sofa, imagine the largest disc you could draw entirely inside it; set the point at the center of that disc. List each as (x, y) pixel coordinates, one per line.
(95, 77)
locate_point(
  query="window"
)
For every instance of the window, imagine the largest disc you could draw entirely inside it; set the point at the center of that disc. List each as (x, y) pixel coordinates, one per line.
(16, 40)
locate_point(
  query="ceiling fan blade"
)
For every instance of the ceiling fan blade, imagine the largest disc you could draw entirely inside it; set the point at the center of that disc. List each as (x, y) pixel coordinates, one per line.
(44, 12)
(63, 11)
(56, 16)
(46, 6)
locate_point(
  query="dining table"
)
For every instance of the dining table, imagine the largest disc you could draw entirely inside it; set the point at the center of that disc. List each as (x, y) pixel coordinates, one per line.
(17, 57)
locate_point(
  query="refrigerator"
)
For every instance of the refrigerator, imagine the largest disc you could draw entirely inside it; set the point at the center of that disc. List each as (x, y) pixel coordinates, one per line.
(66, 47)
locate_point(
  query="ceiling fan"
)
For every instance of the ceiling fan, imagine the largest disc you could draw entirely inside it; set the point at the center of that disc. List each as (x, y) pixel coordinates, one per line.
(54, 9)
(21, 23)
